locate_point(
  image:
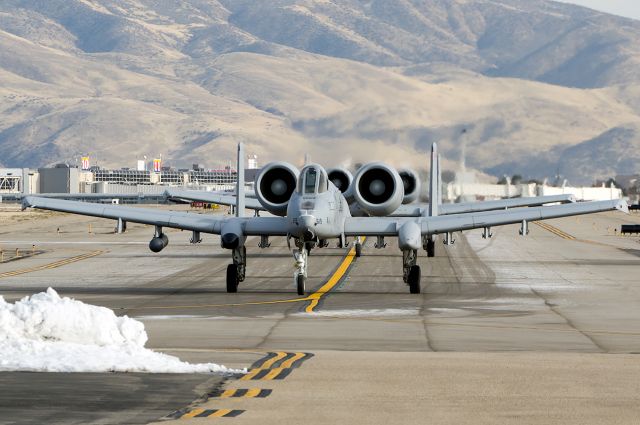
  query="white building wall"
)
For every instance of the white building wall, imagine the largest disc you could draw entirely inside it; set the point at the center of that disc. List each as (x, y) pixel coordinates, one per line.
(452, 192)
(583, 193)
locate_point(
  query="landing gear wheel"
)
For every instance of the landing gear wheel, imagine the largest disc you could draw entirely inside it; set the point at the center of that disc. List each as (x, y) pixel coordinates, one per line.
(232, 278)
(358, 250)
(414, 279)
(431, 248)
(300, 283)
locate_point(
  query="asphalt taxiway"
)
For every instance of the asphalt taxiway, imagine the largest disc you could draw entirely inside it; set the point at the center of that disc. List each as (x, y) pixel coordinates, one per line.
(535, 330)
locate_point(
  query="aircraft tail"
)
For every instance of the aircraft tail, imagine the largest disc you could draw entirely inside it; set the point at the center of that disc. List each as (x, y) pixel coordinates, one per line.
(434, 182)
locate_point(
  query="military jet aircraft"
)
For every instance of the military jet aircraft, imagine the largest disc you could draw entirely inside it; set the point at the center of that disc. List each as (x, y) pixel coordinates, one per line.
(308, 208)
(343, 180)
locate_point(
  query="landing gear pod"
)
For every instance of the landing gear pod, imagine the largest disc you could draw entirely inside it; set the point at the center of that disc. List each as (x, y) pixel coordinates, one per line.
(158, 243)
(274, 185)
(378, 189)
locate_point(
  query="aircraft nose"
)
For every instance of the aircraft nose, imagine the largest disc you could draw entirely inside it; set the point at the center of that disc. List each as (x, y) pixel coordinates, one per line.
(230, 241)
(306, 223)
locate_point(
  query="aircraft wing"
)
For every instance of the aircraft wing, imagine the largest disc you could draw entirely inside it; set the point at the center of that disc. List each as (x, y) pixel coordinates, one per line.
(466, 207)
(389, 226)
(220, 198)
(273, 226)
(418, 209)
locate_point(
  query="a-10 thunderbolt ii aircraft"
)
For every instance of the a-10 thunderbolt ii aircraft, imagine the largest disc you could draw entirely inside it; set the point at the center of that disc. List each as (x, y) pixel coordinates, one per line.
(309, 208)
(343, 180)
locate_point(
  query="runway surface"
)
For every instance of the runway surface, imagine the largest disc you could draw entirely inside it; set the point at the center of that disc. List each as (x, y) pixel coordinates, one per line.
(538, 329)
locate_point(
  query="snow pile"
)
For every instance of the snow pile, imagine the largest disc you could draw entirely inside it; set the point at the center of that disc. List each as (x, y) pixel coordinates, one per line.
(45, 332)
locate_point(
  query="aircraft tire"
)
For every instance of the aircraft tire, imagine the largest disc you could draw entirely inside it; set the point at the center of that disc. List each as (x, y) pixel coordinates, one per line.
(414, 280)
(358, 250)
(300, 283)
(232, 278)
(431, 248)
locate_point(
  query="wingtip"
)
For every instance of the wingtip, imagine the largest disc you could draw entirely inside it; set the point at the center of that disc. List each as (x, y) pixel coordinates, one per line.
(27, 202)
(623, 206)
(434, 147)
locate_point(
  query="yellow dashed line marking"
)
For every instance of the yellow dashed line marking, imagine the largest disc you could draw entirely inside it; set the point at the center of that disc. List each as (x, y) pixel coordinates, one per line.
(250, 374)
(569, 237)
(273, 374)
(220, 413)
(271, 361)
(555, 230)
(289, 363)
(266, 368)
(54, 265)
(252, 392)
(193, 413)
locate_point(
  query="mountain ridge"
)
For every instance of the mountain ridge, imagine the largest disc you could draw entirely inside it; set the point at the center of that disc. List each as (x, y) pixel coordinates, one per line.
(190, 78)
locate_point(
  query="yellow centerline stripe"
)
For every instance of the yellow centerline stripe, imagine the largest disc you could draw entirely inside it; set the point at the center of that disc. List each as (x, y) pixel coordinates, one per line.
(53, 265)
(333, 280)
(314, 298)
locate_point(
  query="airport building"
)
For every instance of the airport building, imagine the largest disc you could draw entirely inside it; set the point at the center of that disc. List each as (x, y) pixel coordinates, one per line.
(469, 192)
(140, 183)
(133, 184)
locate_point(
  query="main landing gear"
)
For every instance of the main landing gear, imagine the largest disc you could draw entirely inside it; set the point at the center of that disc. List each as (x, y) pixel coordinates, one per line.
(411, 271)
(429, 245)
(236, 271)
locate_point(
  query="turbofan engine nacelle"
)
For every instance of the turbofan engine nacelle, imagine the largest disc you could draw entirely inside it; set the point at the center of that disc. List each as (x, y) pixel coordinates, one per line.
(411, 184)
(274, 186)
(342, 179)
(378, 189)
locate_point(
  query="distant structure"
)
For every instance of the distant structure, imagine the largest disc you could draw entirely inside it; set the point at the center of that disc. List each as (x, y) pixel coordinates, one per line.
(148, 179)
(465, 189)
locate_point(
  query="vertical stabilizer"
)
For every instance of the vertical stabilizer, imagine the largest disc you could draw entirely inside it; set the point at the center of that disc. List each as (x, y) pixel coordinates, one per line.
(434, 180)
(439, 187)
(240, 182)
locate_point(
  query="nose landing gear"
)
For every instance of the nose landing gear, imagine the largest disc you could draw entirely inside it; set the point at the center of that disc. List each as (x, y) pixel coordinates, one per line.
(300, 275)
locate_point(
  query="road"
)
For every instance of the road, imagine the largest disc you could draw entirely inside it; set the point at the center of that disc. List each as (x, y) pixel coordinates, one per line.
(538, 329)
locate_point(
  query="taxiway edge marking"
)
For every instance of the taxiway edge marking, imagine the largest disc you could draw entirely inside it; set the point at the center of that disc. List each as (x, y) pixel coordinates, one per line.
(53, 265)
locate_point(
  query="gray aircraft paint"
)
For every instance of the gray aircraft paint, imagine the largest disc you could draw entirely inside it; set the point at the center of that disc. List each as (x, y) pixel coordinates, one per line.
(316, 211)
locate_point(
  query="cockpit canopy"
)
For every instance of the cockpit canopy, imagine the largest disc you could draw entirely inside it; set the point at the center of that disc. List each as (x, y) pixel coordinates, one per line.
(313, 179)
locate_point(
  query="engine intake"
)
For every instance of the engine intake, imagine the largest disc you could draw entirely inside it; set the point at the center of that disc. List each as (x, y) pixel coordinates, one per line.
(342, 179)
(411, 184)
(275, 184)
(378, 189)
